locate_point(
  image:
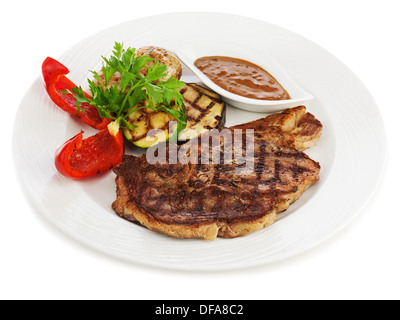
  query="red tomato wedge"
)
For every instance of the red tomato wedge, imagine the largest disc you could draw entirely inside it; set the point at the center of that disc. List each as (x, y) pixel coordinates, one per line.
(54, 77)
(81, 158)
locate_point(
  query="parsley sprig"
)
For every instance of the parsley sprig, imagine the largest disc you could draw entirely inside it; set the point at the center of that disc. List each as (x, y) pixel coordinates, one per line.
(118, 101)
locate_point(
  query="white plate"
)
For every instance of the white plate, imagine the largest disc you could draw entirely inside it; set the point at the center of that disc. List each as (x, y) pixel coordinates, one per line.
(189, 54)
(351, 151)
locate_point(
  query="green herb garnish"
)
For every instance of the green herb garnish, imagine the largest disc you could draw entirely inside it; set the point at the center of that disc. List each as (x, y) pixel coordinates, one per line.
(119, 101)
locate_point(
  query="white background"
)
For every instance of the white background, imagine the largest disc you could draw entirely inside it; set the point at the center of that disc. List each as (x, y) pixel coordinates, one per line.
(361, 262)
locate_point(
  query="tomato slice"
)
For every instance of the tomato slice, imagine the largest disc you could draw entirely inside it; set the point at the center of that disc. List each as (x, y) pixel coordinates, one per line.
(80, 158)
(55, 81)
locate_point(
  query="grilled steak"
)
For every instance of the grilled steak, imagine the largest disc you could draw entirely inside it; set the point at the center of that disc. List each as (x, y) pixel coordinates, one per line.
(204, 198)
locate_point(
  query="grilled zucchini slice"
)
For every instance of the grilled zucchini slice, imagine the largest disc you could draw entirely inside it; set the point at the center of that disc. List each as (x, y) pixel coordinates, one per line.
(205, 110)
(152, 127)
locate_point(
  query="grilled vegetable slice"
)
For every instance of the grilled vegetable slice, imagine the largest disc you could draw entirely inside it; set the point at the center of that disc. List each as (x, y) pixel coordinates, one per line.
(164, 56)
(58, 86)
(204, 111)
(81, 158)
(151, 127)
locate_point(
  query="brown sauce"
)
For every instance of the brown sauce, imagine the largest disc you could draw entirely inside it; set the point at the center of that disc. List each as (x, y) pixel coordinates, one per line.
(242, 78)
